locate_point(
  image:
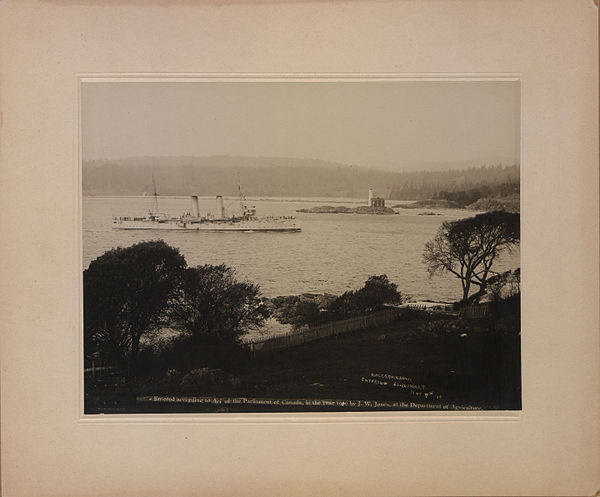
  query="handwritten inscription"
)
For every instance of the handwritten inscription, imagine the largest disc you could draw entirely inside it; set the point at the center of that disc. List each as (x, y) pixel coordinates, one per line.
(401, 382)
(384, 379)
(386, 376)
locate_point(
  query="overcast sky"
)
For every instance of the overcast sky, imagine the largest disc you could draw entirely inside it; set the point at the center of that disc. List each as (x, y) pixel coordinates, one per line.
(390, 125)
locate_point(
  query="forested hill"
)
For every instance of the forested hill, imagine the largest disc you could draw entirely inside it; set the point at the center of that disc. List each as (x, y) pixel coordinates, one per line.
(264, 176)
(447, 184)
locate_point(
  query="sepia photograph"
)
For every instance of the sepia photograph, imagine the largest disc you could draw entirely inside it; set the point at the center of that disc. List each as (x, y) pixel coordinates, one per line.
(301, 245)
(299, 248)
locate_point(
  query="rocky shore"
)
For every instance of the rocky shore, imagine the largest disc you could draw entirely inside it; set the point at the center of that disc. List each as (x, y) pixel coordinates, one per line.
(509, 203)
(430, 204)
(363, 209)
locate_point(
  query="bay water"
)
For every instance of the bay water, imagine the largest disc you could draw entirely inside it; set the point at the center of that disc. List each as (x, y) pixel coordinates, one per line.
(333, 252)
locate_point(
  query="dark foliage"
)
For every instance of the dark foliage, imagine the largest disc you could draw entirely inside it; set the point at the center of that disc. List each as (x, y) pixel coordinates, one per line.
(313, 310)
(504, 285)
(302, 312)
(373, 296)
(468, 247)
(212, 307)
(131, 292)
(126, 291)
(467, 197)
(183, 353)
(462, 186)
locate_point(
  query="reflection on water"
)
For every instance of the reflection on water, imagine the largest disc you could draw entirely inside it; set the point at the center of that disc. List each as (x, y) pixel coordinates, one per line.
(333, 252)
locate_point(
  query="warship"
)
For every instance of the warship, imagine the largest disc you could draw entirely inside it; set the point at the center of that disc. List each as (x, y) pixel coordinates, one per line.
(244, 221)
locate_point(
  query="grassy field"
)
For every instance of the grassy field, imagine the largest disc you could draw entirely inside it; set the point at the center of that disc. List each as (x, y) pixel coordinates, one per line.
(420, 362)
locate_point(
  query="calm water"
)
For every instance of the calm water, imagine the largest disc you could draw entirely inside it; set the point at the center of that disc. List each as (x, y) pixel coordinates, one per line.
(333, 252)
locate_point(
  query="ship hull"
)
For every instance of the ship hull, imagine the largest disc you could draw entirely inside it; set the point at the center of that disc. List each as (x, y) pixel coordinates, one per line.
(246, 222)
(208, 227)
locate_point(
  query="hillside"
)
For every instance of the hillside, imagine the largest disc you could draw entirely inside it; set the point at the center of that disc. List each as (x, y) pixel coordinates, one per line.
(221, 175)
(275, 176)
(461, 185)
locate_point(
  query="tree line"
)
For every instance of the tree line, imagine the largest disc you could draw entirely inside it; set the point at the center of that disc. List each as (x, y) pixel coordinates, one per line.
(463, 186)
(278, 176)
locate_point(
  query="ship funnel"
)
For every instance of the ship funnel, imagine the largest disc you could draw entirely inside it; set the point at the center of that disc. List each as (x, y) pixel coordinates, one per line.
(220, 208)
(195, 207)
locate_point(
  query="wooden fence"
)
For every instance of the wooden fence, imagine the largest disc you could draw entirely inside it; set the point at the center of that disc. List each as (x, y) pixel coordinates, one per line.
(325, 330)
(512, 305)
(101, 369)
(422, 306)
(478, 311)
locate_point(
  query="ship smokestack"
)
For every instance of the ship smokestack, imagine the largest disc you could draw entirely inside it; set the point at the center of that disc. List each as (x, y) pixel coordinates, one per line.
(220, 208)
(195, 207)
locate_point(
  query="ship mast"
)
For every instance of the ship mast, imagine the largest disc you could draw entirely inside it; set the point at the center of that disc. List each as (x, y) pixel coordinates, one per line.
(155, 194)
(242, 200)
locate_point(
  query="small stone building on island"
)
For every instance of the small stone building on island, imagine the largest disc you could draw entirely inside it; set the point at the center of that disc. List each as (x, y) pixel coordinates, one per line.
(375, 201)
(375, 205)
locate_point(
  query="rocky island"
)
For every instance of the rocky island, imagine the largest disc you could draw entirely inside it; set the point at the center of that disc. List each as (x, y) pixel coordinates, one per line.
(362, 209)
(430, 204)
(375, 205)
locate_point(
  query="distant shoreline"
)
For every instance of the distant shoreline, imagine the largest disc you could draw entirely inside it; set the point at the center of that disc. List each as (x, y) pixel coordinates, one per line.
(483, 204)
